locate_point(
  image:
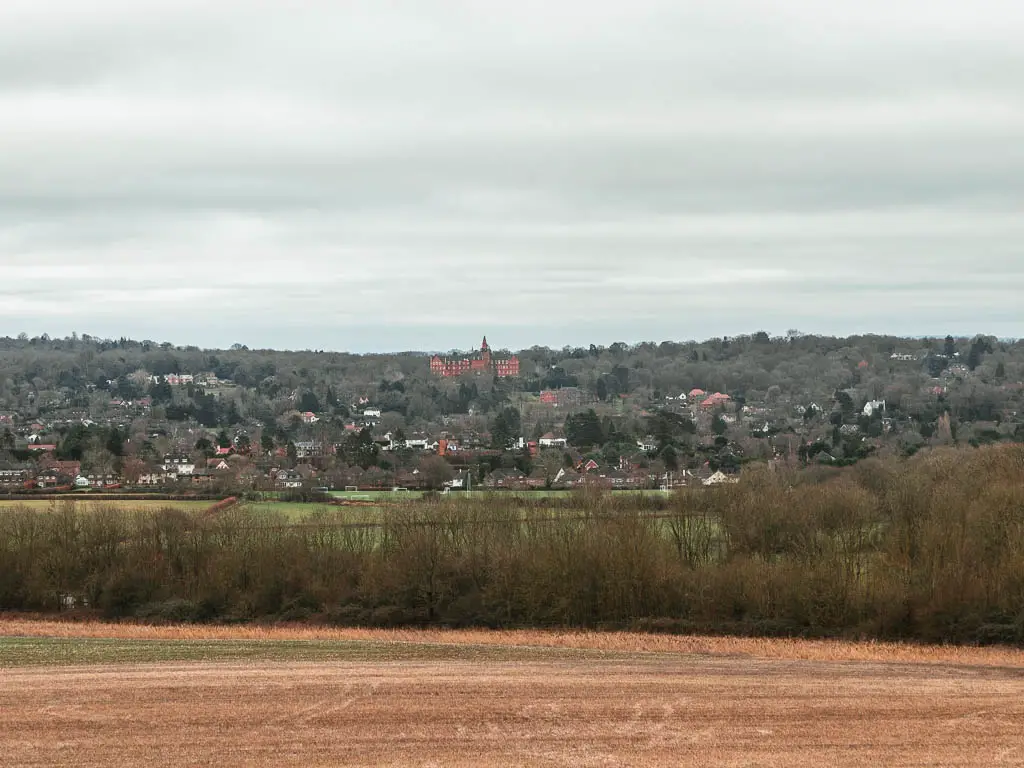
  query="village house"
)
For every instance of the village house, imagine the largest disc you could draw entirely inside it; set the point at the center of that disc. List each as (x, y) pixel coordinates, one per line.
(647, 444)
(447, 446)
(421, 443)
(506, 478)
(12, 477)
(456, 483)
(100, 480)
(287, 478)
(156, 477)
(720, 478)
(873, 406)
(548, 440)
(562, 398)
(715, 399)
(201, 478)
(71, 469)
(178, 464)
(54, 478)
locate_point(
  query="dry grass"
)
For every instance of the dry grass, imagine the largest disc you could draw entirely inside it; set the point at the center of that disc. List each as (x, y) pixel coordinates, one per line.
(619, 642)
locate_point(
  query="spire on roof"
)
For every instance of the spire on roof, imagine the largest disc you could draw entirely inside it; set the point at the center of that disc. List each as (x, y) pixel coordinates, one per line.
(484, 345)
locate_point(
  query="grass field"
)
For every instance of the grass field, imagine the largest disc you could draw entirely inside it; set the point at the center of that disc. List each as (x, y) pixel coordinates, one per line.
(790, 649)
(378, 495)
(57, 651)
(412, 495)
(129, 695)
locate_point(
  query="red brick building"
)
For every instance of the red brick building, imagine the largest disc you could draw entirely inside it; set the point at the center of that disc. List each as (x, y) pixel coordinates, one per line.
(480, 362)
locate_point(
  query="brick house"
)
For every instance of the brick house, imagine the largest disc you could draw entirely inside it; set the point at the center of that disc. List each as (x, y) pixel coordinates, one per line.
(482, 361)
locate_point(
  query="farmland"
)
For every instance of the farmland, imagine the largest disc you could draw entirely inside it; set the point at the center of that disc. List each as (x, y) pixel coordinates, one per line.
(292, 511)
(361, 506)
(123, 695)
(92, 503)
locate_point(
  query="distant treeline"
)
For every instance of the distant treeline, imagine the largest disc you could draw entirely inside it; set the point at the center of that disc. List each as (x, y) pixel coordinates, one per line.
(931, 549)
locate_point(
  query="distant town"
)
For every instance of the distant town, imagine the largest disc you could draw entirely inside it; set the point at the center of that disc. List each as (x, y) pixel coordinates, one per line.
(86, 413)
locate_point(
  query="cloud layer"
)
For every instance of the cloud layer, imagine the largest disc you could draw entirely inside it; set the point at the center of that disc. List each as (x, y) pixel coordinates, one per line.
(408, 175)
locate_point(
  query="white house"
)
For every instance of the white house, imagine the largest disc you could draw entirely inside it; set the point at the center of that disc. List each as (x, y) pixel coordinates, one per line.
(563, 477)
(873, 406)
(156, 478)
(371, 413)
(720, 478)
(287, 478)
(648, 444)
(179, 465)
(550, 441)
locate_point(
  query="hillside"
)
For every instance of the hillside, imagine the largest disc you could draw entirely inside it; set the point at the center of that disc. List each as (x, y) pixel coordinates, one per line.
(644, 415)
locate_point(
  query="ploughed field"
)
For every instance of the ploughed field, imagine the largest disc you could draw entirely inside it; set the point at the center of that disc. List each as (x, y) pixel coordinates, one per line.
(118, 695)
(87, 502)
(291, 511)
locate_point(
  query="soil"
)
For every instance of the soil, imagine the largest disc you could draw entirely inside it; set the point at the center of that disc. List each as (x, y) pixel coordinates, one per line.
(635, 709)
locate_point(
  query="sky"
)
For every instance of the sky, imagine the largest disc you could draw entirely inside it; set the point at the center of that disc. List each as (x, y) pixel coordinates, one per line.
(393, 175)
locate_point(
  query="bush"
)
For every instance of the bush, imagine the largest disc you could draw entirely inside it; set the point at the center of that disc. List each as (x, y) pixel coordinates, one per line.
(930, 548)
(175, 610)
(999, 634)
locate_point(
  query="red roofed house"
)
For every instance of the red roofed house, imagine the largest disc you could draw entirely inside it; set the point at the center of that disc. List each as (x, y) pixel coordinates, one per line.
(695, 392)
(716, 399)
(70, 468)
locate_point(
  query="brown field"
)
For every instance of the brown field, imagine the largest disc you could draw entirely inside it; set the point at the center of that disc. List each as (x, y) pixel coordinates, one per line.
(591, 699)
(92, 503)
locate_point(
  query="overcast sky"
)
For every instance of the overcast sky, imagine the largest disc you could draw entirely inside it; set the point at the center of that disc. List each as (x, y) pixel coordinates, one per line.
(410, 175)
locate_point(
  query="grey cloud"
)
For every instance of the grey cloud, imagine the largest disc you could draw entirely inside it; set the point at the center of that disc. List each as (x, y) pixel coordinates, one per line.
(438, 166)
